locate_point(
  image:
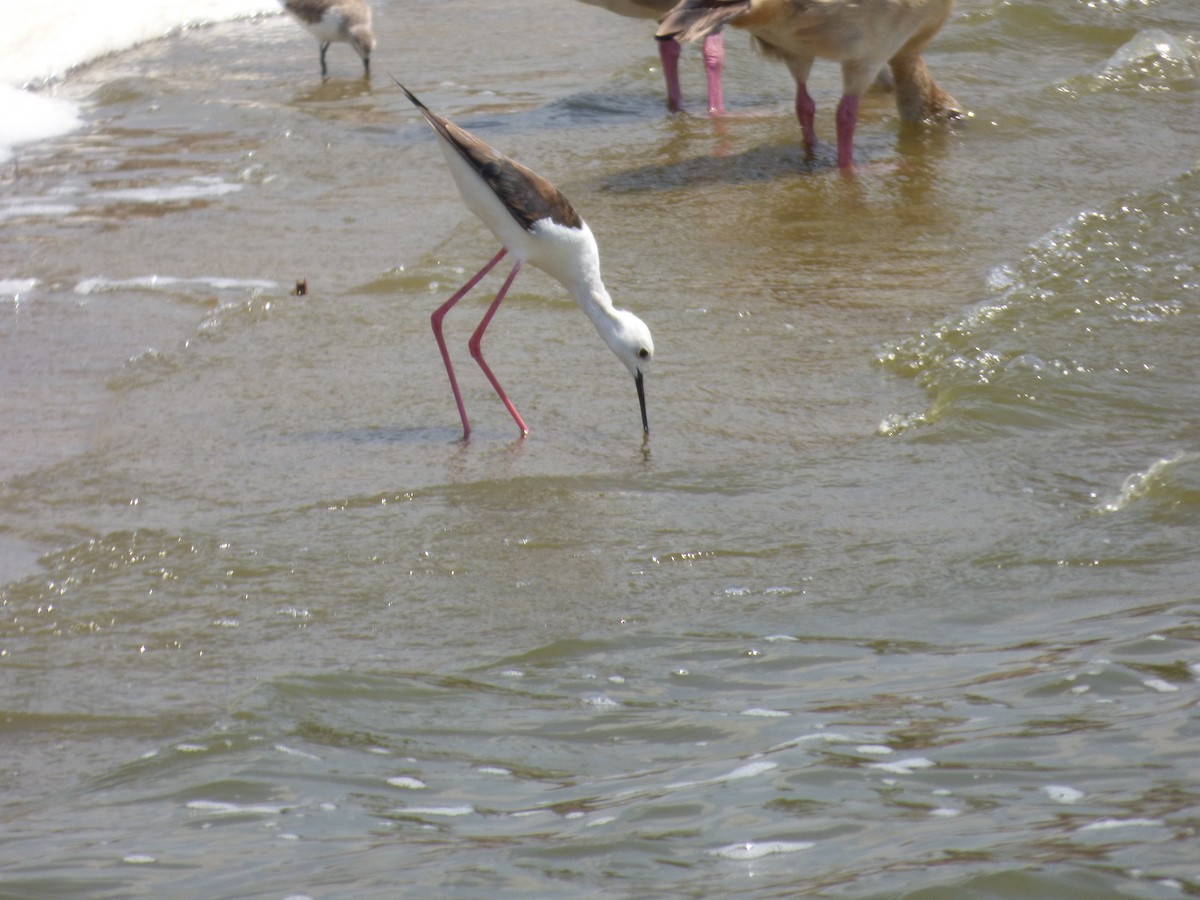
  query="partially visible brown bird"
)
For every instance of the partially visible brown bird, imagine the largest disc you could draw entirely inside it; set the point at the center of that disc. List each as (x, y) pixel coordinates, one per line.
(668, 50)
(862, 35)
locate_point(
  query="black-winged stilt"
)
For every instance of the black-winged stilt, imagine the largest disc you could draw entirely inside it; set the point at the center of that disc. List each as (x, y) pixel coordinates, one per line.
(536, 224)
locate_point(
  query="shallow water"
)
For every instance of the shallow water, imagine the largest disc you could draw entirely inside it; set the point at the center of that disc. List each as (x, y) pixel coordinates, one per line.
(899, 599)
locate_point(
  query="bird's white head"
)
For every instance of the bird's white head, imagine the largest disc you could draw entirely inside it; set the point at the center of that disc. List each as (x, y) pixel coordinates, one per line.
(630, 339)
(362, 39)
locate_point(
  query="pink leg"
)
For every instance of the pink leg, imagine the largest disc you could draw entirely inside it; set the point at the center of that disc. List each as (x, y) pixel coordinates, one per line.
(436, 319)
(806, 111)
(714, 62)
(476, 346)
(847, 118)
(668, 52)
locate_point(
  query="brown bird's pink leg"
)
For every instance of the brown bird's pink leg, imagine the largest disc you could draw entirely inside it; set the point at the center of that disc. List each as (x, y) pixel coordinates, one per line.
(847, 118)
(476, 346)
(714, 62)
(436, 320)
(806, 111)
(668, 52)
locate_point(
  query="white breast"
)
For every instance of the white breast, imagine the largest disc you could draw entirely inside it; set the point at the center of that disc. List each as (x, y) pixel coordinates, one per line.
(569, 255)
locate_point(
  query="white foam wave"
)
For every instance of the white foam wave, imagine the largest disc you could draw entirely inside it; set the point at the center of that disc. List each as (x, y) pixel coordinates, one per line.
(464, 810)
(874, 749)
(903, 766)
(13, 288)
(1139, 484)
(20, 207)
(821, 737)
(101, 285)
(600, 701)
(27, 117)
(749, 770)
(292, 751)
(198, 189)
(759, 849)
(1109, 824)
(1061, 793)
(233, 809)
(46, 40)
(1161, 685)
(1153, 54)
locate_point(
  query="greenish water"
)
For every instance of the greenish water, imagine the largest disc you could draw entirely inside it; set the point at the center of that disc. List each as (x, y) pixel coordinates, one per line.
(899, 599)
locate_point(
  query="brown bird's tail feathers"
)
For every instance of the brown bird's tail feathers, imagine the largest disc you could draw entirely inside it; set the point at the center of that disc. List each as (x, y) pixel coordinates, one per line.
(693, 19)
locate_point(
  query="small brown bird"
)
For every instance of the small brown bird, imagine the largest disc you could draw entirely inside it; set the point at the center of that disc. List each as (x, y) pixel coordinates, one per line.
(862, 35)
(348, 21)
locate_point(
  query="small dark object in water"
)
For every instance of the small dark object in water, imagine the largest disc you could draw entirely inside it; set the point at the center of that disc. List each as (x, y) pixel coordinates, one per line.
(301, 288)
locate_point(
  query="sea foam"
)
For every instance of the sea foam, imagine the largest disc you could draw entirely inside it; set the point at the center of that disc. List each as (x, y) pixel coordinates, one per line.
(47, 40)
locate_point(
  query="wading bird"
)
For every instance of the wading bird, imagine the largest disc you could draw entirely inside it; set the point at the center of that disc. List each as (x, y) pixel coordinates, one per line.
(668, 50)
(348, 21)
(862, 35)
(535, 224)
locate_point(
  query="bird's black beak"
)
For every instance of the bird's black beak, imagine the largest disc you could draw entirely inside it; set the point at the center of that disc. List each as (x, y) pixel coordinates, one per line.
(637, 379)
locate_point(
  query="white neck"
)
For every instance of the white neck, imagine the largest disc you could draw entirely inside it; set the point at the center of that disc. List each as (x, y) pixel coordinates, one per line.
(597, 305)
(569, 255)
